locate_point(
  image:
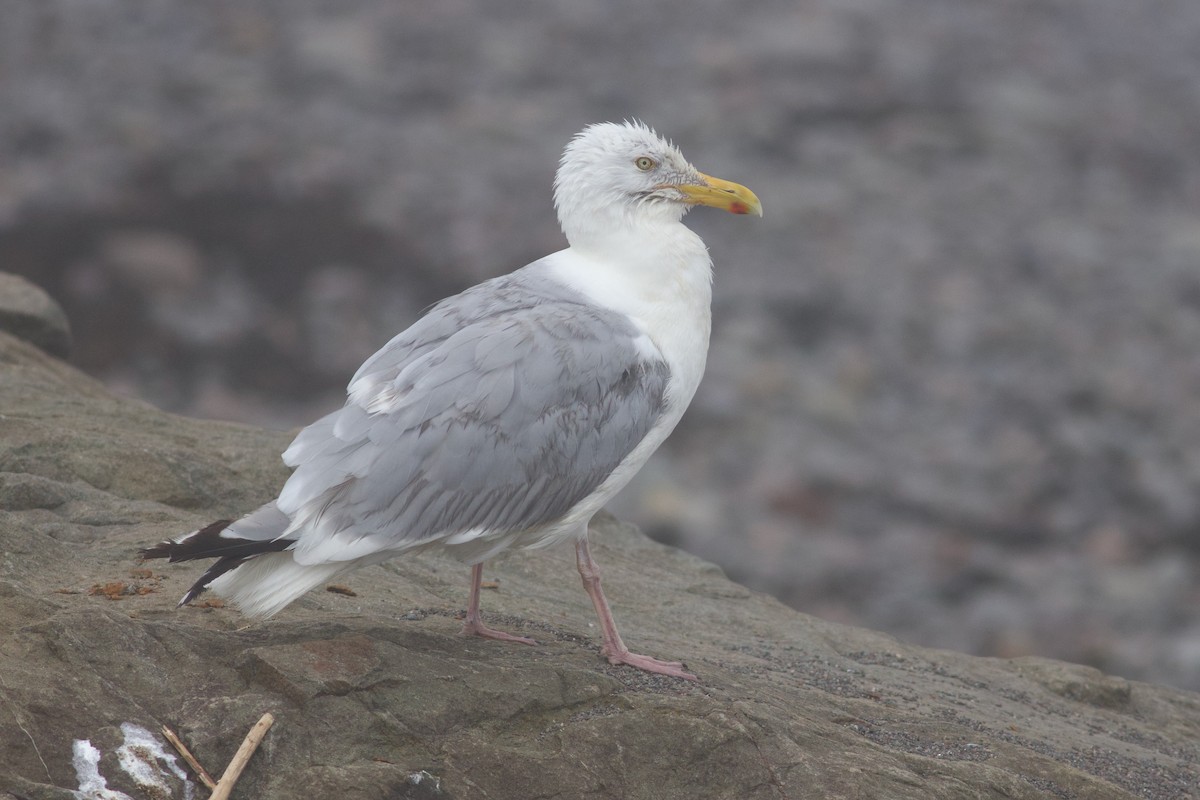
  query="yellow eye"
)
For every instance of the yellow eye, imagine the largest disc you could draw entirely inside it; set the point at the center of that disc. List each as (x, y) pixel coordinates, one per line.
(644, 163)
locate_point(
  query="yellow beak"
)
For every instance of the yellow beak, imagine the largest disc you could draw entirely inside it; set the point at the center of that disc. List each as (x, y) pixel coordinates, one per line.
(732, 197)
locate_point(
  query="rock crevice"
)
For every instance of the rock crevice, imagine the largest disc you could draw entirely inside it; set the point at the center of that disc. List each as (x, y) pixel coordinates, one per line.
(376, 695)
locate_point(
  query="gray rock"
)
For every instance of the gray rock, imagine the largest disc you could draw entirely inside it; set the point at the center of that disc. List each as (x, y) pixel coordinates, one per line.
(376, 695)
(29, 313)
(951, 368)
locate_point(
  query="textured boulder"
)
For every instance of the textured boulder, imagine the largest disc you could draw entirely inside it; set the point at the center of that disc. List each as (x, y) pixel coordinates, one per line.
(28, 313)
(951, 392)
(377, 696)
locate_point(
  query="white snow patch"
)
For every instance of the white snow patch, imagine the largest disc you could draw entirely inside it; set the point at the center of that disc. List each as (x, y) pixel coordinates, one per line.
(92, 785)
(140, 756)
(417, 778)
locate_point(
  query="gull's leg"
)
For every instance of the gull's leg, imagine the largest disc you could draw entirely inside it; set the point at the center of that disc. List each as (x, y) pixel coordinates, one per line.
(474, 623)
(614, 649)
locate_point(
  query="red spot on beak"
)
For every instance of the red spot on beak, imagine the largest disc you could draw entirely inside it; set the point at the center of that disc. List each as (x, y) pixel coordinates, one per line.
(739, 208)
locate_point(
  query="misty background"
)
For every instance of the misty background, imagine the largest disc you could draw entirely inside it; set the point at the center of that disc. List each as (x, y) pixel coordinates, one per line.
(952, 386)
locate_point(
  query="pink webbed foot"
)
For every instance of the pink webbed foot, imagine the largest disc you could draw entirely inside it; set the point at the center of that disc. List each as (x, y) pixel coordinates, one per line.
(473, 625)
(614, 649)
(477, 628)
(649, 664)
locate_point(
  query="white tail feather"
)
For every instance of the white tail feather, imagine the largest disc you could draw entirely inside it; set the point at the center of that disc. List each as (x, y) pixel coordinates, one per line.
(262, 586)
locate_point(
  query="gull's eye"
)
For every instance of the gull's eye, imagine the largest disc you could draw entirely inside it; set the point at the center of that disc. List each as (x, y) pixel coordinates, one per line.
(645, 163)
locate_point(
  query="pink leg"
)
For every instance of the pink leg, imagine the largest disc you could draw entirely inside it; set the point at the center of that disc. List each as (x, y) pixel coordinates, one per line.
(614, 649)
(473, 626)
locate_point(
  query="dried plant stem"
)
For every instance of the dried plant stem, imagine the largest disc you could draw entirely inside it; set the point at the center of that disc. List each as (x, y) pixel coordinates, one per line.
(200, 771)
(242, 757)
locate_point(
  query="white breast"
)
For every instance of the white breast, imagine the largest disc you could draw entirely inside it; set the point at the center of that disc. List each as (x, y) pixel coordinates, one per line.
(663, 282)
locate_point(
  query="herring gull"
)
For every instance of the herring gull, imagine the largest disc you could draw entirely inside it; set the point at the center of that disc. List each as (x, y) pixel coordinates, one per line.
(507, 415)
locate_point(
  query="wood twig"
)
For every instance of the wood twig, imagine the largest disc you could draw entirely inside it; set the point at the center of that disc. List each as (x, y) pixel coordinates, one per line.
(242, 757)
(196, 766)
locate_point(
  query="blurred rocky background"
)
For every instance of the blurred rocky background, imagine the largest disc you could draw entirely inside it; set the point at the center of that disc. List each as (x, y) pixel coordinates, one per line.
(952, 392)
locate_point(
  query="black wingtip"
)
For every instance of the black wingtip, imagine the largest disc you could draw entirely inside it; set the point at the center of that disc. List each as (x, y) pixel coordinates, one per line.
(195, 591)
(203, 543)
(231, 552)
(160, 550)
(214, 571)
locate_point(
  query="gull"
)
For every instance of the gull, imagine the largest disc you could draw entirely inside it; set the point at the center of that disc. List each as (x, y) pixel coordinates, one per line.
(509, 414)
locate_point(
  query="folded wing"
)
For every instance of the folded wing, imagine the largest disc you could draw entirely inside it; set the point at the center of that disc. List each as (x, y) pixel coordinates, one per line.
(496, 413)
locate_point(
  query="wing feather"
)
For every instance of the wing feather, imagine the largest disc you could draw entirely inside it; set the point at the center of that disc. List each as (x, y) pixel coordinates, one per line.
(497, 412)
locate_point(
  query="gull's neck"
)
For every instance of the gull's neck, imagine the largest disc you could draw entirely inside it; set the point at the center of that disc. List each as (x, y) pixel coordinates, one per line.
(658, 273)
(644, 263)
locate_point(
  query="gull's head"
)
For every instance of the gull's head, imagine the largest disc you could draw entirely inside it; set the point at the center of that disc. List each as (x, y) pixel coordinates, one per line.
(624, 175)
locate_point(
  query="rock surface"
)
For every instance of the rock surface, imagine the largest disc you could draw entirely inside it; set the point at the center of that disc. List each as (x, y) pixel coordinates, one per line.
(28, 313)
(377, 696)
(952, 388)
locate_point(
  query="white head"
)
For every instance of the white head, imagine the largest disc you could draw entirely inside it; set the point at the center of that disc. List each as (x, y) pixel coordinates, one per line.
(621, 176)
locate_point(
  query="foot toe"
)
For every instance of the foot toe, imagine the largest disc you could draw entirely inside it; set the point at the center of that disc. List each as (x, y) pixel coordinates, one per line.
(648, 664)
(479, 629)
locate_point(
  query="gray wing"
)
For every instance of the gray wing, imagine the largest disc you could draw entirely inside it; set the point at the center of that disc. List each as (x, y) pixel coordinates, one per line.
(497, 412)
